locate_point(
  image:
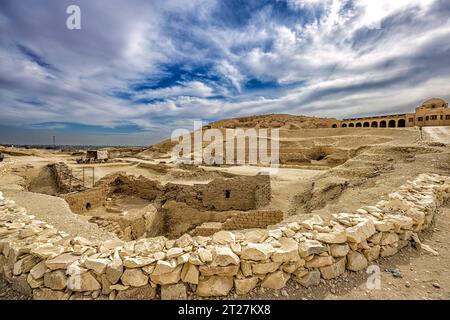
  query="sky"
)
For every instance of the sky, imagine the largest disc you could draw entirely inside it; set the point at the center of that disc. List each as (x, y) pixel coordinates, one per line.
(136, 70)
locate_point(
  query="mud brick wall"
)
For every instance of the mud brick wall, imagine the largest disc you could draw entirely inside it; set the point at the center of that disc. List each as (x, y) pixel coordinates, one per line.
(253, 219)
(239, 193)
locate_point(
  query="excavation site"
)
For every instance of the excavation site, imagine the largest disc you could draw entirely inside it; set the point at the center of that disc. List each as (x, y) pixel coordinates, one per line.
(132, 223)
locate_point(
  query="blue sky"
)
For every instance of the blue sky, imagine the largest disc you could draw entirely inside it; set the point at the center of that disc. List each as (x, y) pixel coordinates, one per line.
(139, 69)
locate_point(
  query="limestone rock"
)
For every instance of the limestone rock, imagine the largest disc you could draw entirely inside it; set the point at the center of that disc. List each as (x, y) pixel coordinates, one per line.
(189, 273)
(308, 278)
(214, 286)
(223, 237)
(339, 250)
(356, 261)
(137, 262)
(84, 281)
(174, 292)
(256, 236)
(244, 286)
(55, 280)
(184, 241)
(142, 293)
(267, 267)
(61, 262)
(334, 270)
(134, 278)
(205, 255)
(373, 253)
(167, 278)
(227, 271)
(332, 237)
(389, 238)
(223, 256)
(38, 270)
(163, 267)
(174, 253)
(319, 261)
(362, 231)
(25, 264)
(288, 251)
(114, 270)
(35, 283)
(309, 247)
(98, 265)
(275, 280)
(257, 251)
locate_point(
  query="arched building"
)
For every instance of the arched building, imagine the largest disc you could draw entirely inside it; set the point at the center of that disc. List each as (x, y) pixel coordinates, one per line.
(433, 112)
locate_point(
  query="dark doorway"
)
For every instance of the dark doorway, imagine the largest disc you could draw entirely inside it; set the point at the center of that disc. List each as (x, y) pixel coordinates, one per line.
(227, 194)
(391, 123)
(401, 123)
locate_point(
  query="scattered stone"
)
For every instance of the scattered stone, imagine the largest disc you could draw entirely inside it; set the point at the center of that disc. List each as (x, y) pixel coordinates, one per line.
(395, 272)
(134, 278)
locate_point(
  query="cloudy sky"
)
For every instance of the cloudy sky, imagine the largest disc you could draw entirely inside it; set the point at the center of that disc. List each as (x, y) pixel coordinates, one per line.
(138, 69)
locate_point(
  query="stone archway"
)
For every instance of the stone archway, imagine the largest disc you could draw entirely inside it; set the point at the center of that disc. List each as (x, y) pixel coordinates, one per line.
(401, 123)
(334, 125)
(351, 125)
(358, 125)
(344, 125)
(391, 123)
(366, 124)
(374, 124)
(383, 124)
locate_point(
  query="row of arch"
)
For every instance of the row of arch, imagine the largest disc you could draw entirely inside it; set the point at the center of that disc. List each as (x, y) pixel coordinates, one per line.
(401, 123)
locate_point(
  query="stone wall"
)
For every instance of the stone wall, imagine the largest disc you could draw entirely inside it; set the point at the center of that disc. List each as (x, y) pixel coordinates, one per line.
(47, 264)
(64, 178)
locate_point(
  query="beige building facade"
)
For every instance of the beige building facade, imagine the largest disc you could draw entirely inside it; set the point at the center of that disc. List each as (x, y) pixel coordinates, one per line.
(433, 112)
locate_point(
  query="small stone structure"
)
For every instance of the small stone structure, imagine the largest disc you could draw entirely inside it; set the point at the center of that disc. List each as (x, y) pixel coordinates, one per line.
(45, 263)
(183, 207)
